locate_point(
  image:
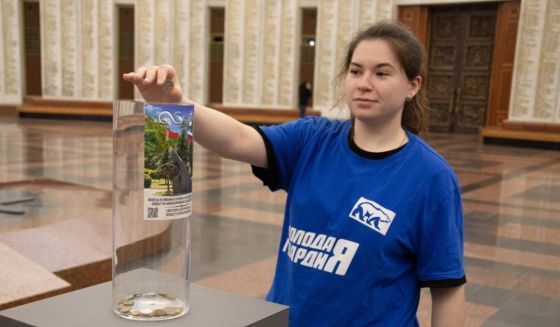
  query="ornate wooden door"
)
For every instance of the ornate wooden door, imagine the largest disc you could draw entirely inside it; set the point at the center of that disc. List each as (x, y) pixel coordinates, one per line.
(459, 67)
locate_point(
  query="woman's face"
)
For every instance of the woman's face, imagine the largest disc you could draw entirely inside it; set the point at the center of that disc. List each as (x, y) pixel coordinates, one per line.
(376, 84)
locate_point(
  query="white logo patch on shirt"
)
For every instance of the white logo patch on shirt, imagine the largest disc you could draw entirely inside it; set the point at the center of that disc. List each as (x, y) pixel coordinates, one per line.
(373, 215)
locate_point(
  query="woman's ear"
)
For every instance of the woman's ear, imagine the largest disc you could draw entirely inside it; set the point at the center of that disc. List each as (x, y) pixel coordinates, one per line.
(415, 85)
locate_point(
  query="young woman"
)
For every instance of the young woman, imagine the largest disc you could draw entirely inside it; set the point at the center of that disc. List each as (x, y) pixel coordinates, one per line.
(373, 213)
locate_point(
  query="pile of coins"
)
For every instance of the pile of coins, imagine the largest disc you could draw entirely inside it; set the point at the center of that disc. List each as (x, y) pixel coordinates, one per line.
(127, 307)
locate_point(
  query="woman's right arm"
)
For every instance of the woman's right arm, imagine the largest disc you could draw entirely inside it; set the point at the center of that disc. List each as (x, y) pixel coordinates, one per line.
(214, 130)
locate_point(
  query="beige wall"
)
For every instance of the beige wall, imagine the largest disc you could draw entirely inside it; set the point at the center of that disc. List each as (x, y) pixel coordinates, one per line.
(261, 49)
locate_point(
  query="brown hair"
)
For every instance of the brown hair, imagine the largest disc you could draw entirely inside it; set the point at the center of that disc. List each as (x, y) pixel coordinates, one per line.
(410, 54)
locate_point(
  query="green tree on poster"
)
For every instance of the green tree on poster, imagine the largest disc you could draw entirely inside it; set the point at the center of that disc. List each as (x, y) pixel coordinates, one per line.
(156, 142)
(183, 145)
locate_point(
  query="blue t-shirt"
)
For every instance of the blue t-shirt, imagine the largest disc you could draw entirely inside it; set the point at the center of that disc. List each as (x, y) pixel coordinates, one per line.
(360, 236)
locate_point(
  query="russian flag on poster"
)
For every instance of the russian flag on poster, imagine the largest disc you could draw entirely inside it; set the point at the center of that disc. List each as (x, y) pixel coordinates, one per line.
(174, 135)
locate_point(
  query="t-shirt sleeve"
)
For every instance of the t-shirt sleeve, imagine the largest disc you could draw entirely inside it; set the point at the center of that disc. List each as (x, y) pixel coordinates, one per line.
(440, 252)
(269, 175)
(284, 144)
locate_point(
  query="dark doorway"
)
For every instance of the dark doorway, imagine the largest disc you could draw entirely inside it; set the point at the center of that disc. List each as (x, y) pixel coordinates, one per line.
(307, 49)
(32, 36)
(459, 68)
(126, 49)
(216, 64)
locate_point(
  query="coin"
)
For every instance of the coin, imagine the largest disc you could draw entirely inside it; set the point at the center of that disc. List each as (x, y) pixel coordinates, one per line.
(146, 311)
(169, 297)
(124, 309)
(168, 86)
(134, 312)
(160, 312)
(126, 302)
(172, 310)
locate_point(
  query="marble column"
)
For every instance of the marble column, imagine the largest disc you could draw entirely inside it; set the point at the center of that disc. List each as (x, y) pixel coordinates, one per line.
(536, 79)
(70, 15)
(88, 35)
(77, 49)
(10, 53)
(260, 53)
(51, 47)
(270, 53)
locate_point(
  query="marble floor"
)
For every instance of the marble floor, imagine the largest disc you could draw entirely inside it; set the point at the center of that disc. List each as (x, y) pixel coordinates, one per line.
(511, 199)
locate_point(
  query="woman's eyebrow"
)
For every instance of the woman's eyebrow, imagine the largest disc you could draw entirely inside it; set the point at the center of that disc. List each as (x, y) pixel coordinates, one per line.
(380, 65)
(384, 65)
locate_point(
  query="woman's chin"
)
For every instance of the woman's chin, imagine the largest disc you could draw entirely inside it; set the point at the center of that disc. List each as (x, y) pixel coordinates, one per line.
(376, 115)
(364, 114)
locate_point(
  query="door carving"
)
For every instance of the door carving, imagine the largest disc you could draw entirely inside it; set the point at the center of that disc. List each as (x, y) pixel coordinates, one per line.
(459, 67)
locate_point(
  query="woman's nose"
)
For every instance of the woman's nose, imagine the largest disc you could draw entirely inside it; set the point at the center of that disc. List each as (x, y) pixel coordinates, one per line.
(364, 82)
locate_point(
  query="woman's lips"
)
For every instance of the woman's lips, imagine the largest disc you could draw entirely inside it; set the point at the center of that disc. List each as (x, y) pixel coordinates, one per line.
(363, 100)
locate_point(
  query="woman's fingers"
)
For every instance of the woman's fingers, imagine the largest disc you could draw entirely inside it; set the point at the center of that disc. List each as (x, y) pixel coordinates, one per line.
(156, 83)
(140, 74)
(141, 71)
(132, 76)
(146, 76)
(138, 77)
(129, 77)
(151, 75)
(163, 73)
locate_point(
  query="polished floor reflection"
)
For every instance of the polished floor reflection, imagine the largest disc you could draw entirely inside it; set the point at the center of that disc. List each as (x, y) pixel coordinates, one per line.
(511, 199)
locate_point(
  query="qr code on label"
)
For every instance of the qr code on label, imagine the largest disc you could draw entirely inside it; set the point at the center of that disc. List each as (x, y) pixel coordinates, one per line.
(152, 212)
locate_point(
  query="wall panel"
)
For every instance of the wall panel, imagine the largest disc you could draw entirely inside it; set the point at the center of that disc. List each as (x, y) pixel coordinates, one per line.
(69, 44)
(233, 52)
(88, 43)
(51, 48)
(549, 71)
(287, 56)
(105, 46)
(526, 67)
(270, 52)
(10, 55)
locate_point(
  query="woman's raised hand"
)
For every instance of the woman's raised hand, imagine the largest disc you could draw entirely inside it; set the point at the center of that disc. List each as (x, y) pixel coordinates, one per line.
(155, 85)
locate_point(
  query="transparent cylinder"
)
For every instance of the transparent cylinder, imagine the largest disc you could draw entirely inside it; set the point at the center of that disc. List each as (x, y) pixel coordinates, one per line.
(150, 253)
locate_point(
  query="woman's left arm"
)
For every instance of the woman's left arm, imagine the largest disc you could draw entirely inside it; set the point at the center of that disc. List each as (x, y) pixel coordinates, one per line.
(448, 306)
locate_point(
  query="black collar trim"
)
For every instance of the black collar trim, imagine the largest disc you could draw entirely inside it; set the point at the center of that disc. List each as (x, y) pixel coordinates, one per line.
(372, 155)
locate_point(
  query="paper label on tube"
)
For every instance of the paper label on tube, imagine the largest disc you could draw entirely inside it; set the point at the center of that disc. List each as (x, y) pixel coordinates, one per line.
(168, 151)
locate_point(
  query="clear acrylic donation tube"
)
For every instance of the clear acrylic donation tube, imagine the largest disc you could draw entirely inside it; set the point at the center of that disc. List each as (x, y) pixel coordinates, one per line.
(152, 191)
